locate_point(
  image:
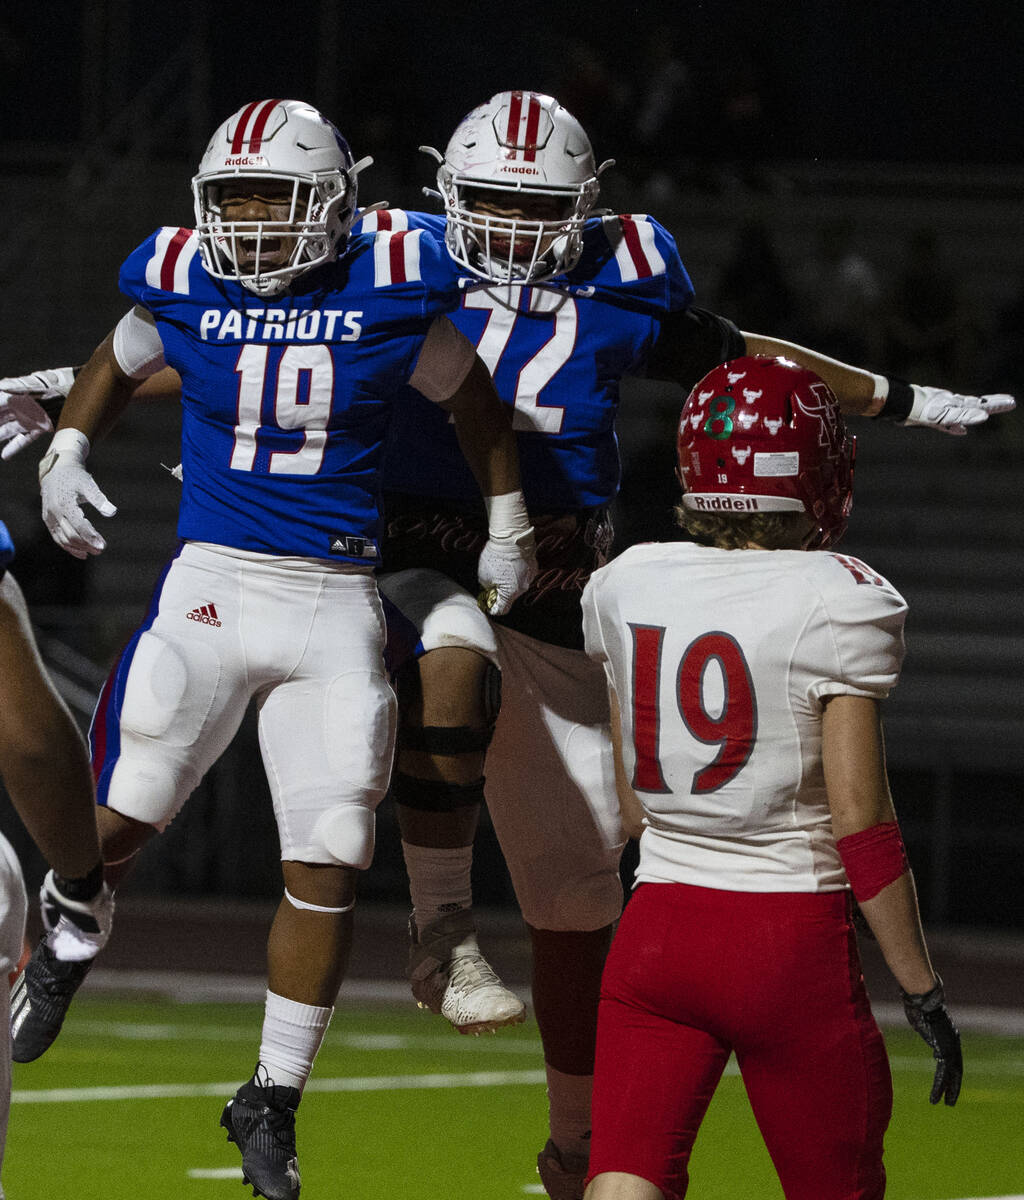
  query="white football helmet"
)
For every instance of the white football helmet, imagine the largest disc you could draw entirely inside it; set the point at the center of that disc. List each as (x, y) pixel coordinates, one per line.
(517, 147)
(276, 140)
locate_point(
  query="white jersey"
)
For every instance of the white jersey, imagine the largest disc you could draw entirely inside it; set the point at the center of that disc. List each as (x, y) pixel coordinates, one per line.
(721, 661)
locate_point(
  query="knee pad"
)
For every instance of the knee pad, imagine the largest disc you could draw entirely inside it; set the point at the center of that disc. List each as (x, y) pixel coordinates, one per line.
(438, 611)
(346, 832)
(576, 904)
(435, 795)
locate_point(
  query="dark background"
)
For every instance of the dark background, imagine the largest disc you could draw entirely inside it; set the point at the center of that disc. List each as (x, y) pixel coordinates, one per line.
(865, 81)
(890, 116)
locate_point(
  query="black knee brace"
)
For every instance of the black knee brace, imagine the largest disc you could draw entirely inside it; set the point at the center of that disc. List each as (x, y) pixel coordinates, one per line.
(443, 739)
(434, 795)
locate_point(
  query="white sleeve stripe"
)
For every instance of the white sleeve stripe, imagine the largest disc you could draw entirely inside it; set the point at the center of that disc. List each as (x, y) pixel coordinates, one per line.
(396, 257)
(636, 249)
(173, 252)
(382, 220)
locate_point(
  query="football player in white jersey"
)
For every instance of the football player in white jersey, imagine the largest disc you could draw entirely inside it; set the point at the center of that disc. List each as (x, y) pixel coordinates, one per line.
(746, 670)
(291, 339)
(45, 770)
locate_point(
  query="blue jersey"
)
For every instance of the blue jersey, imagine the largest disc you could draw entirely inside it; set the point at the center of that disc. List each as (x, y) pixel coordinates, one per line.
(557, 352)
(286, 400)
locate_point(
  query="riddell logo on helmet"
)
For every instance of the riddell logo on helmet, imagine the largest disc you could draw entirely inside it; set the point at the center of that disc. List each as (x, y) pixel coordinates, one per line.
(725, 503)
(519, 170)
(245, 160)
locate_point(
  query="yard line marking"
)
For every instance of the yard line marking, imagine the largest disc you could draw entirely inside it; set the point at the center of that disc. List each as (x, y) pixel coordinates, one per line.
(215, 1173)
(142, 1032)
(358, 1083)
(976, 1018)
(926, 1065)
(192, 987)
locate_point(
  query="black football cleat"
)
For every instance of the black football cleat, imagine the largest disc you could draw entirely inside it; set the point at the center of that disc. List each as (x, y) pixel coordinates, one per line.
(40, 999)
(261, 1123)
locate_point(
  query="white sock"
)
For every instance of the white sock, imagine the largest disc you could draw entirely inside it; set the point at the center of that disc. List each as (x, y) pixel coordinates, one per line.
(439, 880)
(569, 1110)
(292, 1034)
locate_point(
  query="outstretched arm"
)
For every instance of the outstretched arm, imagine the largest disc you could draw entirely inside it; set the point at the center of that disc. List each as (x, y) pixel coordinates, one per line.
(862, 393)
(691, 341)
(29, 404)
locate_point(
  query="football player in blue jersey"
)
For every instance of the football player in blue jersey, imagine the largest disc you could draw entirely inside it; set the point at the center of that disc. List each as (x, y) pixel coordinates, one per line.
(45, 770)
(291, 340)
(565, 304)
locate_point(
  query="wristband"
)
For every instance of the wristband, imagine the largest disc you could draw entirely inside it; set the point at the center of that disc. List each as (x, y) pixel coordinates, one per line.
(898, 397)
(71, 442)
(507, 518)
(927, 1002)
(84, 888)
(873, 858)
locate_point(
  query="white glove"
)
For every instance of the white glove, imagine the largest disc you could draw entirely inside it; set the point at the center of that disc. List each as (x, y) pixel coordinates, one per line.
(22, 417)
(937, 408)
(508, 562)
(505, 570)
(77, 929)
(65, 484)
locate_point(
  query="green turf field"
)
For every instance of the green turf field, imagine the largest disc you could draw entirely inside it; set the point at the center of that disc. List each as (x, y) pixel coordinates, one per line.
(126, 1105)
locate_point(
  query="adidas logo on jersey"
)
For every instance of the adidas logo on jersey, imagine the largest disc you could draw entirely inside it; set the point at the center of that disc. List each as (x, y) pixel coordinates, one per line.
(207, 615)
(354, 547)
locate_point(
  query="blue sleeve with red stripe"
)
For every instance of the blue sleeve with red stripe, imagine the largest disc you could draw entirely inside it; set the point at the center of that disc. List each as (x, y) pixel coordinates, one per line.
(632, 261)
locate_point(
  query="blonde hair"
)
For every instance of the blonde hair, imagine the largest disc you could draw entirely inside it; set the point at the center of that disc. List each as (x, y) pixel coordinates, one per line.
(735, 531)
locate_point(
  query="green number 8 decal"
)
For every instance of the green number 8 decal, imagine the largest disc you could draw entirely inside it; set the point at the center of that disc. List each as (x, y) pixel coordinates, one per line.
(720, 414)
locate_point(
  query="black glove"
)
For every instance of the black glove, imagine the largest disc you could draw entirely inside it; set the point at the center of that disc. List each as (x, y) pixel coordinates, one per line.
(928, 1016)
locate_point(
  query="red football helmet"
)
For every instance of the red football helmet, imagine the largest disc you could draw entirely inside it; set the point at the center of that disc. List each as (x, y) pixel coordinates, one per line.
(766, 435)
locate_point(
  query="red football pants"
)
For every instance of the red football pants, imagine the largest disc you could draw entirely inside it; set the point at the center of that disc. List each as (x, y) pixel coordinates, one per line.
(694, 973)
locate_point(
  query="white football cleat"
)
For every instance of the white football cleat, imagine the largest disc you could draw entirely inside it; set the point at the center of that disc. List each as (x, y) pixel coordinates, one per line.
(450, 976)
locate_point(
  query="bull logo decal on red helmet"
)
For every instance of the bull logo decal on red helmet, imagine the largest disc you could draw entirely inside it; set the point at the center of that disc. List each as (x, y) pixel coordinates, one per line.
(817, 402)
